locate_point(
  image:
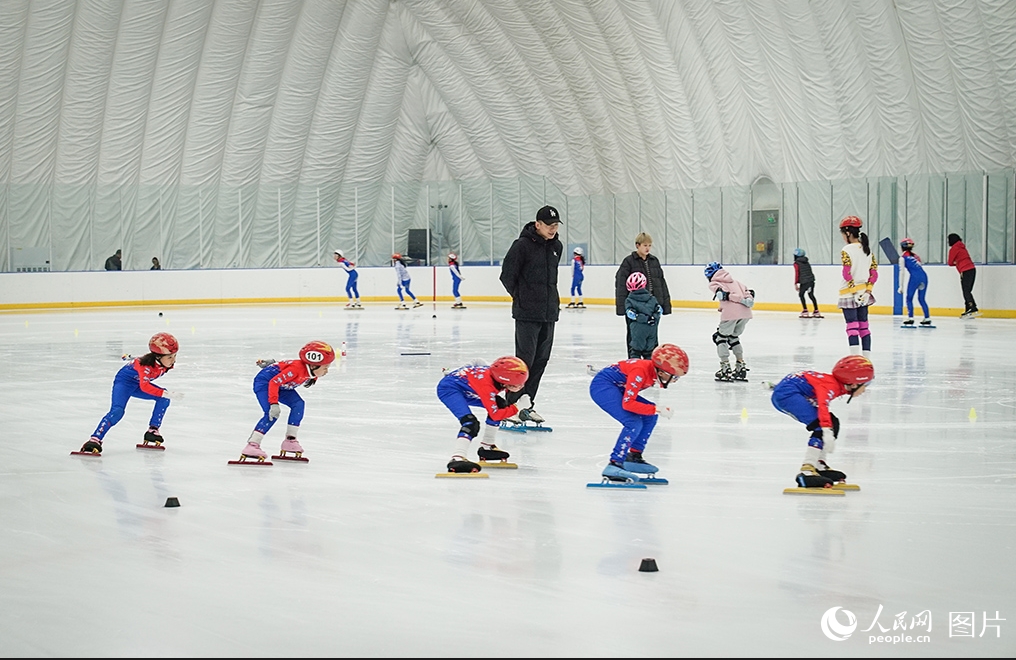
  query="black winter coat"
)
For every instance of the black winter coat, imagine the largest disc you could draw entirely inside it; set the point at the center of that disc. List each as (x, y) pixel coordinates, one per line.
(656, 284)
(529, 274)
(804, 274)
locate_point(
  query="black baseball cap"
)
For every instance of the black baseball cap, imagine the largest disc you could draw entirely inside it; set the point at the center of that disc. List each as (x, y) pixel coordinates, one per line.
(548, 215)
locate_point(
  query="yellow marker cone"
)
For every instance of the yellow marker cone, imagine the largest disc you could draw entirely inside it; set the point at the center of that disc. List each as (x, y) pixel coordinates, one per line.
(273, 321)
(744, 414)
(972, 415)
(75, 332)
(26, 324)
(192, 329)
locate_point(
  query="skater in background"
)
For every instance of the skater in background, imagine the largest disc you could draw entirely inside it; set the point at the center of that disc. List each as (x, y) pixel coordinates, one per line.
(135, 380)
(276, 384)
(959, 257)
(804, 283)
(860, 272)
(578, 266)
(402, 282)
(529, 275)
(351, 289)
(453, 268)
(910, 265)
(644, 312)
(155, 264)
(115, 262)
(642, 261)
(616, 389)
(736, 301)
(479, 386)
(805, 396)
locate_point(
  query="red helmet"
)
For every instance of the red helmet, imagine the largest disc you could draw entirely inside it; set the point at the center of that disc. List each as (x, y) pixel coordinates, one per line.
(636, 280)
(907, 244)
(854, 370)
(396, 255)
(851, 221)
(510, 370)
(671, 359)
(317, 353)
(163, 343)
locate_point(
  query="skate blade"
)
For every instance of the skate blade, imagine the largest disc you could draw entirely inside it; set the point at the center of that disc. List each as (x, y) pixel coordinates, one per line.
(461, 475)
(298, 459)
(617, 484)
(925, 326)
(504, 465)
(151, 446)
(813, 491)
(653, 481)
(250, 462)
(846, 487)
(537, 427)
(86, 453)
(514, 428)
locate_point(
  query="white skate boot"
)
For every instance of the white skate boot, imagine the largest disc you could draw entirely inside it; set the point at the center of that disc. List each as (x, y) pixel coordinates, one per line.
(252, 454)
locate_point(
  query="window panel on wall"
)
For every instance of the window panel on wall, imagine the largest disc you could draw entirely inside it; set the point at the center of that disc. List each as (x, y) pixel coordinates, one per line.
(1000, 216)
(475, 248)
(708, 226)
(507, 222)
(964, 210)
(578, 227)
(818, 234)
(626, 224)
(71, 218)
(882, 211)
(789, 223)
(652, 207)
(735, 204)
(680, 245)
(601, 214)
(850, 197)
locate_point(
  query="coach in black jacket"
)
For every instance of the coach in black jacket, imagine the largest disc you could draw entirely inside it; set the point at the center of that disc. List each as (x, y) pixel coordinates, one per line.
(642, 262)
(529, 274)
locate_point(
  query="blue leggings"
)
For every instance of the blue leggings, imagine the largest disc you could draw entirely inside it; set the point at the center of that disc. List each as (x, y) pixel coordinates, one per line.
(789, 401)
(286, 397)
(451, 394)
(636, 428)
(405, 285)
(920, 286)
(351, 289)
(123, 390)
(455, 286)
(576, 287)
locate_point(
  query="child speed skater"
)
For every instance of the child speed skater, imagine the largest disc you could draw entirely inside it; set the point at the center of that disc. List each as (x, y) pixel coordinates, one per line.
(276, 383)
(478, 386)
(918, 281)
(805, 396)
(135, 380)
(616, 389)
(736, 301)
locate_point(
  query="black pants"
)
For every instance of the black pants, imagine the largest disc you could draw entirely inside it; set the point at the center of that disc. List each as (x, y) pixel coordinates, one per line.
(967, 278)
(533, 343)
(809, 288)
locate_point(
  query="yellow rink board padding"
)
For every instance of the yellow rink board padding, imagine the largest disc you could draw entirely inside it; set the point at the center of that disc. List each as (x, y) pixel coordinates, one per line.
(461, 475)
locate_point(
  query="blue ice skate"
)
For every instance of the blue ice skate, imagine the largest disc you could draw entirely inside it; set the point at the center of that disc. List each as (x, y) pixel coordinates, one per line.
(634, 462)
(616, 477)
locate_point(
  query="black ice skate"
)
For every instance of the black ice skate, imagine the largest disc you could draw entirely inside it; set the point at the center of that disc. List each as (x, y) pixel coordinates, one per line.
(491, 453)
(92, 447)
(740, 372)
(460, 468)
(724, 375)
(153, 440)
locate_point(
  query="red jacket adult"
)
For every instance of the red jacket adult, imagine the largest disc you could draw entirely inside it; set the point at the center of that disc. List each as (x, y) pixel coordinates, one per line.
(959, 257)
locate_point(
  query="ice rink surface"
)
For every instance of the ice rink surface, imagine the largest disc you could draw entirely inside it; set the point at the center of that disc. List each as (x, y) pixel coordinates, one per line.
(362, 552)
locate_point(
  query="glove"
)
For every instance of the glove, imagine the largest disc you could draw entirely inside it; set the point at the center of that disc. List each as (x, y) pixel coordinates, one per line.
(751, 292)
(667, 412)
(899, 290)
(748, 302)
(166, 394)
(524, 402)
(264, 363)
(862, 298)
(721, 295)
(652, 320)
(274, 411)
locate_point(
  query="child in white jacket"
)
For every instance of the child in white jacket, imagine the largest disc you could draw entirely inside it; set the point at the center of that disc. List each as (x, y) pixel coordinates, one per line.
(736, 302)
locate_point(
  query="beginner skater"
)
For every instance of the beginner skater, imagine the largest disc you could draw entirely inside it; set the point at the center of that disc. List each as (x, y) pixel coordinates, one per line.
(453, 267)
(402, 281)
(616, 390)
(959, 257)
(860, 272)
(910, 264)
(276, 383)
(736, 301)
(805, 396)
(804, 282)
(351, 290)
(578, 265)
(478, 386)
(135, 380)
(645, 312)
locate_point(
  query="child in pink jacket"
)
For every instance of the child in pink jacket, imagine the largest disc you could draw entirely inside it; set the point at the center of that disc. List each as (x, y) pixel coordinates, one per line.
(736, 302)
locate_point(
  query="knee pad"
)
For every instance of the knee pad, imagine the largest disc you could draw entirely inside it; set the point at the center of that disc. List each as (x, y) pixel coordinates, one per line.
(733, 341)
(816, 440)
(853, 328)
(719, 339)
(470, 426)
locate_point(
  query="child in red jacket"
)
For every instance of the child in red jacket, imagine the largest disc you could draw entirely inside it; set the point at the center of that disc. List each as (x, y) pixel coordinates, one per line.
(959, 257)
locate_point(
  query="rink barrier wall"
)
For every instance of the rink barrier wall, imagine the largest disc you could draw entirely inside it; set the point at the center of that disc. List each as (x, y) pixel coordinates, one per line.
(994, 289)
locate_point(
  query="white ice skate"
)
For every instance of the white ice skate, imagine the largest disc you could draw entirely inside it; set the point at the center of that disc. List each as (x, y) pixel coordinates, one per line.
(291, 446)
(252, 454)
